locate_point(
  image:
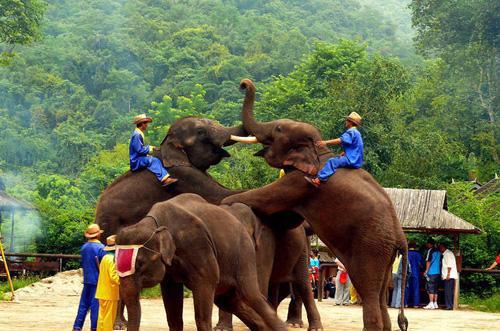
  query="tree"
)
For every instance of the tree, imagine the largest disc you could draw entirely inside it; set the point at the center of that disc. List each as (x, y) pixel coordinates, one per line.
(465, 34)
(19, 24)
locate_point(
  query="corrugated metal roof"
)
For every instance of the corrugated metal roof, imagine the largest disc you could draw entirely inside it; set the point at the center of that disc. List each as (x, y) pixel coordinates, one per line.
(8, 202)
(425, 210)
(493, 186)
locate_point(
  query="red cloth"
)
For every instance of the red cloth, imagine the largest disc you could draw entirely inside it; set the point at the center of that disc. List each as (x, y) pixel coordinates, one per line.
(343, 277)
(497, 259)
(125, 257)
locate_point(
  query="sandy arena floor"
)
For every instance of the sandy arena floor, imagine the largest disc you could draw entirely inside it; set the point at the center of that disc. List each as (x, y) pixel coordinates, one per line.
(52, 304)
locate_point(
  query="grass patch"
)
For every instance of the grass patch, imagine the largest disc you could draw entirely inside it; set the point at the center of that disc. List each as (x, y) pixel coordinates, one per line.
(490, 304)
(155, 292)
(18, 282)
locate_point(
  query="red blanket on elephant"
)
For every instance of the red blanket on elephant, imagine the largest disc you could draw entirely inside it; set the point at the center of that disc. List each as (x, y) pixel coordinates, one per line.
(125, 257)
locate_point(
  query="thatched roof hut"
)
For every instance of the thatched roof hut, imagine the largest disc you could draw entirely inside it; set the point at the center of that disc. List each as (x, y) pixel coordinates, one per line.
(426, 211)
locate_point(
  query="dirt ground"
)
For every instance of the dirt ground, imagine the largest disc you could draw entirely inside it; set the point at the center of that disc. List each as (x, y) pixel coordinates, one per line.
(51, 305)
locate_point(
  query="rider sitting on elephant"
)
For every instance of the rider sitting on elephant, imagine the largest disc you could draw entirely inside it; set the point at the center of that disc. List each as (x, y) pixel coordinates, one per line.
(139, 158)
(352, 157)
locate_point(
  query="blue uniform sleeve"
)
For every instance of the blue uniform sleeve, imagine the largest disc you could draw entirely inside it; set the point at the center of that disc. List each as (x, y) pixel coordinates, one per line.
(347, 137)
(138, 145)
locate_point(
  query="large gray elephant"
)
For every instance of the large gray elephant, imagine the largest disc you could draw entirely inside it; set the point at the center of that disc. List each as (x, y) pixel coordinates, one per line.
(185, 241)
(191, 146)
(351, 213)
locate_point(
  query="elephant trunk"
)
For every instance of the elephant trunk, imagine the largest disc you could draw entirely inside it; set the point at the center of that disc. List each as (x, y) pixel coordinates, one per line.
(233, 131)
(251, 125)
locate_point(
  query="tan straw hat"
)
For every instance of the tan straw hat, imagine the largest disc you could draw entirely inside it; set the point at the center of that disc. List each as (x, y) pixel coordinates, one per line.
(110, 243)
(355, 118)
(93, 230)
(142, 118)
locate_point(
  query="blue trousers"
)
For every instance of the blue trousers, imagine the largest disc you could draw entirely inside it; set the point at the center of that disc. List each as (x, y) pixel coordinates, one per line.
(331, 166)
(412, 296)
(87, 302)
(396, 292)
(154, 165)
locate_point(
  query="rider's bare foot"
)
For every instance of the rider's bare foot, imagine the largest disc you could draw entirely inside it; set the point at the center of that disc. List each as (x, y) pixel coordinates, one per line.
(313, 181)
(168, 181)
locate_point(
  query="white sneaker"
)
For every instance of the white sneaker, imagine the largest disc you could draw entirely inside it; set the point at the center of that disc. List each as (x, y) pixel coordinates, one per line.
(436, 305)
(430, 305)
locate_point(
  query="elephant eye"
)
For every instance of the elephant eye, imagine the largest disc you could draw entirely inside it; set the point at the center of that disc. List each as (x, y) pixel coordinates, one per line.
(200, 131)
(278, 128)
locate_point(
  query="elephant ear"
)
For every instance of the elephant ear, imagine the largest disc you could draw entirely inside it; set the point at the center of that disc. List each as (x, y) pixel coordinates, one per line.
(303, 158)
(172, 152)
(167, 245)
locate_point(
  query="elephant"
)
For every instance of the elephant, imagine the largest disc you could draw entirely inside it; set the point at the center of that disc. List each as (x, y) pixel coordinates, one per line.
(351, 213)
(190, 147)
(172, 238)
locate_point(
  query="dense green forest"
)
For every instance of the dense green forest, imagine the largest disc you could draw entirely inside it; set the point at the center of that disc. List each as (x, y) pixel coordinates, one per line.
(424, 82)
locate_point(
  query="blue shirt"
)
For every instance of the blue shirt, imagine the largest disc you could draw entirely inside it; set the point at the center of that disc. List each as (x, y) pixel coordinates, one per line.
(314, 262)
(434, 257)
(91, 252)
(416, 262)
(352, 142)
(138, 151)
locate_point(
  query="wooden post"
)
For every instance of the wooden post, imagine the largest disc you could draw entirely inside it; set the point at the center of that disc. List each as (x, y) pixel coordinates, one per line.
(320, 285)
(11, 247)
(458, 257)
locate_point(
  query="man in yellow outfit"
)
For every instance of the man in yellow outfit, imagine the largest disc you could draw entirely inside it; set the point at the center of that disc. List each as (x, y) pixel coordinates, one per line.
(108, 287)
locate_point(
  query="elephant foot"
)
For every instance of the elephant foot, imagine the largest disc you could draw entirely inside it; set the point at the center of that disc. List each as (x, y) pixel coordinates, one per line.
(223, 327)
(120, 324)
(295, 323)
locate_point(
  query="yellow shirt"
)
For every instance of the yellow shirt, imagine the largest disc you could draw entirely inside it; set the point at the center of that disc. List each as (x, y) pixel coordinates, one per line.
(395, 265)
(108, 285)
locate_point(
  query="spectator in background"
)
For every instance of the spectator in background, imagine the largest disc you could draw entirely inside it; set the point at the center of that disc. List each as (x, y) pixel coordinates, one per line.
(342, 283)
(108, 288)
(314, 268)
(329, 288)
(432, 273)
(355, 298)
(448, 273)
(495, 263)
(416, 261)
(91, 252)
(397, 278)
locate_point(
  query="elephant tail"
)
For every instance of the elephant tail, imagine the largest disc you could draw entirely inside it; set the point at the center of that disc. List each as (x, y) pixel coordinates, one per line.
(402, 320)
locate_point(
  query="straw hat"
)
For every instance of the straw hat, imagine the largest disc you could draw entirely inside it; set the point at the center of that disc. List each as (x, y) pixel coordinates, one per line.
(142, 118)
(355, 118)
(110, 243)
(93, 230)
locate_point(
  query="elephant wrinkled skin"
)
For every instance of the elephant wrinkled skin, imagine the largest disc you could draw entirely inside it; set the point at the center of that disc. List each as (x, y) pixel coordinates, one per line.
(188, 241)
(351, 213)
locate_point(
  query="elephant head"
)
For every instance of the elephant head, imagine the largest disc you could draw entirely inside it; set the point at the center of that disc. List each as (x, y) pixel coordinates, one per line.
(151, 263)
(287, 144)
(197, 142)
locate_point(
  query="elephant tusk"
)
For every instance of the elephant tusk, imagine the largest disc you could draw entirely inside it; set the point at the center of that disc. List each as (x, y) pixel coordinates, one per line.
(245, 140)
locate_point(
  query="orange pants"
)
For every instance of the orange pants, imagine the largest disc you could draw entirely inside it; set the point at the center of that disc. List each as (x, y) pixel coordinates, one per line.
(107, 314)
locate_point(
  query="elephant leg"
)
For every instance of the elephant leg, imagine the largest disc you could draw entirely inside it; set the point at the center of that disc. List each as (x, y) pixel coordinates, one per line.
(273, 295)
(130, 295)
(369, 283)
(225, 321)
(203, 297)
(383, 301)
(294, 316)
(305, 292)
(254, 299)
(232, 303)
(120, 321)
(173, 300)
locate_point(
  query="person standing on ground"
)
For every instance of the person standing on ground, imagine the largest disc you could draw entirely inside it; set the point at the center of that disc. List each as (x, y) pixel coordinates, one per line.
(416, 261)
(342, 284)
(91, 252)
(139, 158)
(432, 273)
(108, 288)
(397, 277)
(449, 274)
